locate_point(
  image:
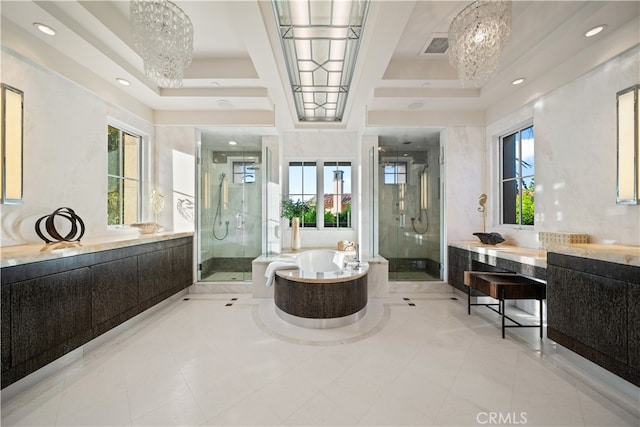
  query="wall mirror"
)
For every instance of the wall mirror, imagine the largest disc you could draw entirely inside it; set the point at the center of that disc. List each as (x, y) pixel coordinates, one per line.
(628, 179)
(11, 131)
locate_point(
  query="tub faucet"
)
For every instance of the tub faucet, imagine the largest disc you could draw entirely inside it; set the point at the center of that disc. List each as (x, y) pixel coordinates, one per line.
(357, 252)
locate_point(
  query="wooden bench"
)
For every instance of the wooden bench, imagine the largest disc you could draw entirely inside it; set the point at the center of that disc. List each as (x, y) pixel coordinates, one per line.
(505, 286)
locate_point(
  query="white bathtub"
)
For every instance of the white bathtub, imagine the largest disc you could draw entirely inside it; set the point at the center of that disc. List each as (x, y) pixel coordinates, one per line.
(320, 261)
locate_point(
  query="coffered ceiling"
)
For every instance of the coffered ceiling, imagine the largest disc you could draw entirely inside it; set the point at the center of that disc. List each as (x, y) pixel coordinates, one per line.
(238, 76)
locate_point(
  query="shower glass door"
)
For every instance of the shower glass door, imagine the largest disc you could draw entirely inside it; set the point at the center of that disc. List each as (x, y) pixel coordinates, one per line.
(230, 207)
(409, 209)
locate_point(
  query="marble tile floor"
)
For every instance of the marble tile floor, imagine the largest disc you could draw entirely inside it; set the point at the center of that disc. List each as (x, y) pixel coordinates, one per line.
(415, 359)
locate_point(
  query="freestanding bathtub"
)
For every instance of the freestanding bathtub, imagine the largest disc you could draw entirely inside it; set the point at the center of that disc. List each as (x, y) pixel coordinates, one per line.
(324, 292)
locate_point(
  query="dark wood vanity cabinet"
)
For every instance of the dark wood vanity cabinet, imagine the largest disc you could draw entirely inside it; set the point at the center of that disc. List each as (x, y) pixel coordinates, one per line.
(460, 260)
(50, 308)
(593, 308)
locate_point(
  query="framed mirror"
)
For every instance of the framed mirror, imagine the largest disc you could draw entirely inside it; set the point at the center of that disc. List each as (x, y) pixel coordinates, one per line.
(628, 123)
(11, 132)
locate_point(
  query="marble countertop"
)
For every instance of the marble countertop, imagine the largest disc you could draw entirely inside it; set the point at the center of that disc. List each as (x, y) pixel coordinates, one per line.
(351, 272)
(619, 254)
(519, 254)
(35, 252)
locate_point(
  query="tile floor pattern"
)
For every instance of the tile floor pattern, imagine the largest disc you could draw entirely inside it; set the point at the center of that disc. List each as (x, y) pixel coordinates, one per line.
(204, 362)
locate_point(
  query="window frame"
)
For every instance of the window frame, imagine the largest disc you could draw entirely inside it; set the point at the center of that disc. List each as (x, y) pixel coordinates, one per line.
(301, 196)
(396, 172)
(242, 175)
(140, 181)
(319, 191)
(518, 177)
(336, 164)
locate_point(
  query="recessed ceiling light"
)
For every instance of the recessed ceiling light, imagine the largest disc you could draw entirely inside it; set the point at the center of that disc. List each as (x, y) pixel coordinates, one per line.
(233, 143)
(123, 82)
(45, 29)
(415, 105)
(595, 30)
(518, 81)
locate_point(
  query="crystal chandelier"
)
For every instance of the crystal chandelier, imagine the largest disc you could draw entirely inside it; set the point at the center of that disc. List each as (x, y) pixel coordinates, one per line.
(476, 39)
(163, 36)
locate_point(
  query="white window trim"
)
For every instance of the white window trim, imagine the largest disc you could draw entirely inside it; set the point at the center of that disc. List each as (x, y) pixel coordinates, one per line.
(320, 163)
(497, 179)
(144, 185)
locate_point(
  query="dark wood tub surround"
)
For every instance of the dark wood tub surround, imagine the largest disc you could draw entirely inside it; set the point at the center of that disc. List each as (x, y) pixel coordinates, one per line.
(320, 299)
(52, 307)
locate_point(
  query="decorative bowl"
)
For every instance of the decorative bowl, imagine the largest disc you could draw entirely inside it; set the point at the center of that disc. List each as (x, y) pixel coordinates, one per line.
(146, 227)
(490, 238)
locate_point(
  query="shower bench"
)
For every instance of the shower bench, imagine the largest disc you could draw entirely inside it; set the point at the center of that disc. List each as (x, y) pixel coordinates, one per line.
(505, 286)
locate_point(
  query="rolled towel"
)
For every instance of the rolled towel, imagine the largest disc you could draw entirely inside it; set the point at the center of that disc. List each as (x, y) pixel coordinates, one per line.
(277, 265)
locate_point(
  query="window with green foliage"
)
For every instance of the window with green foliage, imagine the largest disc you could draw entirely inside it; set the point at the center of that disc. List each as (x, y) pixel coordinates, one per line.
(337, 194)
(123, 177)
(303, 187)
(518, 180)
(324, 189)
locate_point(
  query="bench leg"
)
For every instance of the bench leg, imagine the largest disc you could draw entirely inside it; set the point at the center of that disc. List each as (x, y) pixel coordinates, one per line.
(502, 313)
(469, 300)
(540, 301)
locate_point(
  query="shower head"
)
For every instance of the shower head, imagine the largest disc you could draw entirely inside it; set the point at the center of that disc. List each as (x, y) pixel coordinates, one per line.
(222, 175)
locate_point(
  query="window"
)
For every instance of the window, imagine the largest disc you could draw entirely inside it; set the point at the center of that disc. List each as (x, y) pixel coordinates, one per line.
(123, 177)
(337, 194)
(395, 172)
(328, 204)
(517, 181)
(244, 172)
(303, 186)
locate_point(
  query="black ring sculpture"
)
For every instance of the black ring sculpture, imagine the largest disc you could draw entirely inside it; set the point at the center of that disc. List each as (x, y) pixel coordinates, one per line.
(74, 235)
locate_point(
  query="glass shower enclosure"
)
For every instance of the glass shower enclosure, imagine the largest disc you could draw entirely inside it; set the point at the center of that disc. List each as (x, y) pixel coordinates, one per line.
(230, 180)
(409, 208)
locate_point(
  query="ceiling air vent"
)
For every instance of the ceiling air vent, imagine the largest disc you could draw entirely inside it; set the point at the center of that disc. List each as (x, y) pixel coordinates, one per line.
(438, 43)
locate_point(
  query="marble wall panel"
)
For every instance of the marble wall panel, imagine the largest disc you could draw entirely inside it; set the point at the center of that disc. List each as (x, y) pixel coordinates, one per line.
(575, 157)
(464, 181)
(65, 156)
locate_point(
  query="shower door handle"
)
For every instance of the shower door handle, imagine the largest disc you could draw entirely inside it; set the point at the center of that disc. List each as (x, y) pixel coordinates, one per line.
(238, 221)
(402, 220)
